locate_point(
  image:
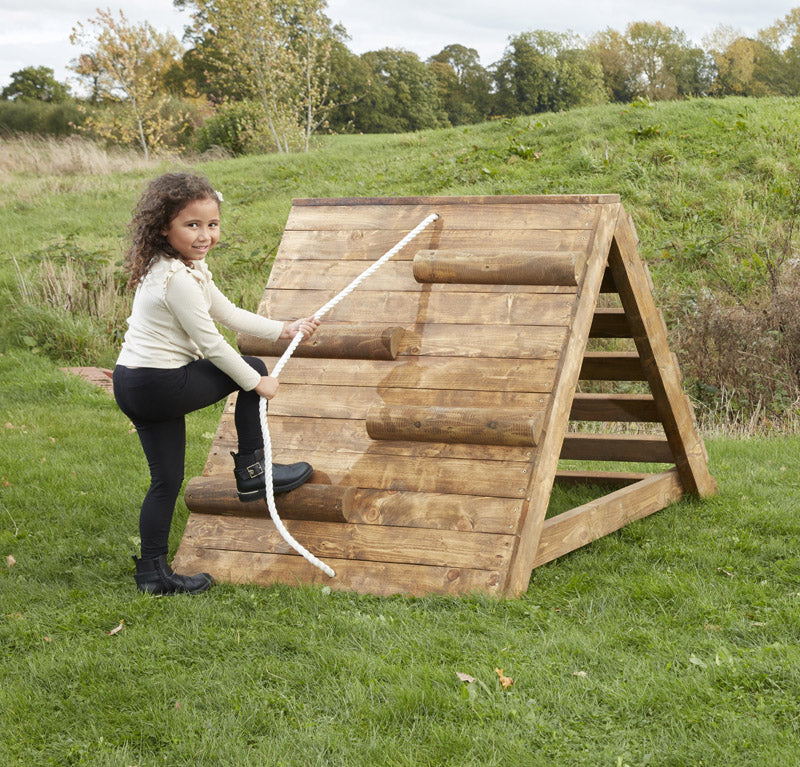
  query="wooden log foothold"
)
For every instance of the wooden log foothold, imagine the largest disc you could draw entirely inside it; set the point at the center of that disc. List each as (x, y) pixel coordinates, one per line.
(517, 267)
(317, 503)
(477, 426)
(332, 342)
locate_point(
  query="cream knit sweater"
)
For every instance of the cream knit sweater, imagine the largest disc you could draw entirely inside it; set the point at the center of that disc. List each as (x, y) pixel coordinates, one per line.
(172, 322)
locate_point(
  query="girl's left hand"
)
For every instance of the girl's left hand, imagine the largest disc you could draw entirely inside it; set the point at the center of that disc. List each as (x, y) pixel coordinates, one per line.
(306, 325)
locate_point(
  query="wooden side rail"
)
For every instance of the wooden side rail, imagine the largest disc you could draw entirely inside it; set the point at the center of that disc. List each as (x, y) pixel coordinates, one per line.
(317, 503)
(614, 407)
(499, 267)
(617, 447)
(332, 342)
(477, 426)
(612, 366)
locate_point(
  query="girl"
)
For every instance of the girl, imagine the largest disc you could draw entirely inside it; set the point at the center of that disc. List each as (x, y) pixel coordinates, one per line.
(174, 360)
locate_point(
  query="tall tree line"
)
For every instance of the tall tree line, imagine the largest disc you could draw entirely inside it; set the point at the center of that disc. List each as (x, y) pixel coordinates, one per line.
(268, 74)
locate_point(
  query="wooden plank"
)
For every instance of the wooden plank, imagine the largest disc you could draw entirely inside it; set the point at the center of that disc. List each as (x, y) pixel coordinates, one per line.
(480, 200)
(644, 448)
(354, 401)
(498, 267)
(584, 524)
(473, 426)
(372, 543)
(330, 503)
(661, 369)
(610, 323)
(612, 366)
(403, 218)
(420, 475)
(371, 244)
(350, 436)
(425, 373)
(442, 340)
(379, 578)
(402, 309)
(600, 478)
(394, 275)
(557, 417)
(614, 407)
(354, 343)
(318, 503)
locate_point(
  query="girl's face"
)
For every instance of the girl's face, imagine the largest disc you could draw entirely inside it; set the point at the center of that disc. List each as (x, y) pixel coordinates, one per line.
(195, 230)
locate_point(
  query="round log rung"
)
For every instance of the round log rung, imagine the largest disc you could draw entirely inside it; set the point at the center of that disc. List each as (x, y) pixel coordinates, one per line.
(477, 426)
(499, 267)
(332, 342)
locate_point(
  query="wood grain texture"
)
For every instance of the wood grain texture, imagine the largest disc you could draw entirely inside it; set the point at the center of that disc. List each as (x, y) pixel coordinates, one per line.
(329, 342)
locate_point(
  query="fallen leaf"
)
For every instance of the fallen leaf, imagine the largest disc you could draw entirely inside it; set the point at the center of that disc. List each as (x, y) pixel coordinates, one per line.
(9, 425)
(698, 661)
(757, 623)
(11, 561)
(579, 673)
(47, 639)
(6, 483)
(178, 705)
(465, 677)
(52, 439)
(505, 681)
(117, 629)
(711, 627)
(721, 570)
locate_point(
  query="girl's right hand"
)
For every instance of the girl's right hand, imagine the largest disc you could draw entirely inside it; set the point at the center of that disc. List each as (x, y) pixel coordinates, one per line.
(267, 387)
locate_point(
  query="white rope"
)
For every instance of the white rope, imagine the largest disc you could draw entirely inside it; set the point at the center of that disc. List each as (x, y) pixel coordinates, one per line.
(262, 405)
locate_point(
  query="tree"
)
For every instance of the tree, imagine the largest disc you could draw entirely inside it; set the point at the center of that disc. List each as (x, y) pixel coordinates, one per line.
(464, 85)
(610, 50)
(35, 84)
(779, 63)
(274, 52)
(125, 66)
(403, 94)
(544, 71)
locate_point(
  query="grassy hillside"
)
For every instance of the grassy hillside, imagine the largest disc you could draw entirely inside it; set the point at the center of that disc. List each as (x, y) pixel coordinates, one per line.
(712, 185)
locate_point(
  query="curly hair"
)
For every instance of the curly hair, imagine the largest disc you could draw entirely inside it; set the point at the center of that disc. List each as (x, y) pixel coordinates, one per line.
(163, 199)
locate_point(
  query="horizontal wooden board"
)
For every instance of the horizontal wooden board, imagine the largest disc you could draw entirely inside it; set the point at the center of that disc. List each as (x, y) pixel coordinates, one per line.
(609, 323)
(406, 309)
(420, 475)
(404, 218)
(380, 578)
(425, 373)
(612, 366)
(372, 543)
(644, 448)
(466, 200)
(614, 407)
(350, 436)
(335, 275)
(354, 401)
(599, 478)
(370, 244)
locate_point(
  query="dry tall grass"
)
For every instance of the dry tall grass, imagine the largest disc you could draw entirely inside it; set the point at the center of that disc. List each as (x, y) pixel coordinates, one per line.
(48, 156)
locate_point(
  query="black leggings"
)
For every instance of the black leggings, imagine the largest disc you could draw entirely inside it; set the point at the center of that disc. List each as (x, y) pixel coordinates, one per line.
(156, 400)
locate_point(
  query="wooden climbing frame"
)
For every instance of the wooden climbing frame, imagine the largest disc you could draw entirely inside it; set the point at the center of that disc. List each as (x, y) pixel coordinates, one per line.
(436, 401)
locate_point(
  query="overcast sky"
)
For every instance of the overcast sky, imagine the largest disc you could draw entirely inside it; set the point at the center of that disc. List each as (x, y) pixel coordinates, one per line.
(36, 32)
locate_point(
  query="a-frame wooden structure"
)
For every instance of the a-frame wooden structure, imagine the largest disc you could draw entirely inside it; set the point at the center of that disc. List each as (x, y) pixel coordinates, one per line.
(435, 402)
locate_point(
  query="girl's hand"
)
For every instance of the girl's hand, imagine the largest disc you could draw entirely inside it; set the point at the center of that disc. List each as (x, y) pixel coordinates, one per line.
(267, 387)
(307, 325)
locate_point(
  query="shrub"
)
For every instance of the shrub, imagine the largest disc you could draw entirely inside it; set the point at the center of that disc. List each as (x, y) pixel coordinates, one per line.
(239, 127)
(24, 116)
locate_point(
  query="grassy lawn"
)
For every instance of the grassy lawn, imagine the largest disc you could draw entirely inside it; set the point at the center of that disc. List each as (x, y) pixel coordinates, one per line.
(672, 642)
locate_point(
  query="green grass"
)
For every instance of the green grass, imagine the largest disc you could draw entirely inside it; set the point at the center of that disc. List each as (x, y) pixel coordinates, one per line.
(672, 642)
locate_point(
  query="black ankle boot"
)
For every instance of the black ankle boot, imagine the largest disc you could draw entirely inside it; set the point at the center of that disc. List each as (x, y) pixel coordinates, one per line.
(155, 576)
(249, 473)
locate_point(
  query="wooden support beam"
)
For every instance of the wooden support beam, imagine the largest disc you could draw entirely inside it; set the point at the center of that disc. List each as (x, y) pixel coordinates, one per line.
(498, 267)
(658, 363)
(614, 407)
(644, 448)
(584, 524)
(476, 426)
(609, 323)
(599, 478)
(320, 503)
(331, 342)
(612, 366)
